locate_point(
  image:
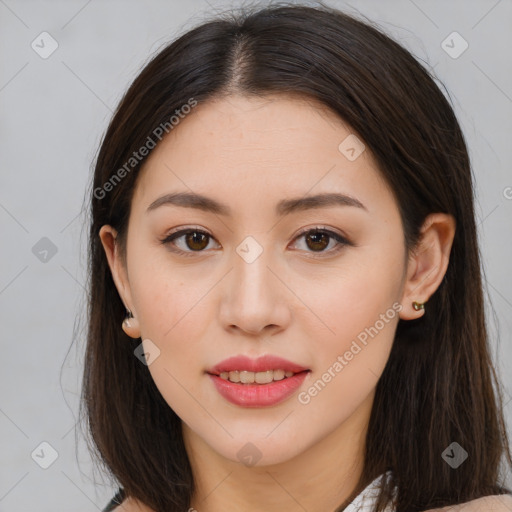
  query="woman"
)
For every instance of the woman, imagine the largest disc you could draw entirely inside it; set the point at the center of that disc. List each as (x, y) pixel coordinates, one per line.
(282, 213)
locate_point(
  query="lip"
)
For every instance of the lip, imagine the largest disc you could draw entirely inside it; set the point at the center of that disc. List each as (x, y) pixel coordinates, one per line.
(257, 395)
(261, 364)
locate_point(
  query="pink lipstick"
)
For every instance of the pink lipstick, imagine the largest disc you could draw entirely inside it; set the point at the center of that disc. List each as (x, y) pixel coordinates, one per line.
(261, 382)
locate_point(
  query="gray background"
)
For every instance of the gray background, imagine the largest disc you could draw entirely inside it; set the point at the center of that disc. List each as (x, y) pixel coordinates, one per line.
(53, 114)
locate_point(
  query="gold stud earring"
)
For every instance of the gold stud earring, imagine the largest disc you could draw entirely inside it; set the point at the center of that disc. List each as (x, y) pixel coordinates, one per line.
(418, 305)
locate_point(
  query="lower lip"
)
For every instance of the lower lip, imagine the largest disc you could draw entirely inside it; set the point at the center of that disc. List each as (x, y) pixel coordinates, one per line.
(258, 395)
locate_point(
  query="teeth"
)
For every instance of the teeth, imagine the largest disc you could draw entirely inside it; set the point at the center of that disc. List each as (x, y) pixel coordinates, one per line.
(246, 377)
(233, 376)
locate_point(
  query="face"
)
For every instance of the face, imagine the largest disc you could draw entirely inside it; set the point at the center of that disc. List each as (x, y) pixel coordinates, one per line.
(316, 282)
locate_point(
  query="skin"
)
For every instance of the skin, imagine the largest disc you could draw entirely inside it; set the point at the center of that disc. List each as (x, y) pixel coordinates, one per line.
(294, 300)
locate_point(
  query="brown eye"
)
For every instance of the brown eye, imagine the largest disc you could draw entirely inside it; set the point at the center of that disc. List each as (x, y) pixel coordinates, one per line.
(196, 240)
(191, 240)
(317, 240)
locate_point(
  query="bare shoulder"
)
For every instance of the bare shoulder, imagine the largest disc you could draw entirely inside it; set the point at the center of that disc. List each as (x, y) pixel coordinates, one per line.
(495, 503)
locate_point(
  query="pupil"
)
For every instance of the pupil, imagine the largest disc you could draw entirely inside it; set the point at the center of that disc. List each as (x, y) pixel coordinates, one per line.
(193, 238)
(317, 244)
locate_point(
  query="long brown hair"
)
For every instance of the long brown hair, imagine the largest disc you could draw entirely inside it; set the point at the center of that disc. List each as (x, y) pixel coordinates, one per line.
(439, 385)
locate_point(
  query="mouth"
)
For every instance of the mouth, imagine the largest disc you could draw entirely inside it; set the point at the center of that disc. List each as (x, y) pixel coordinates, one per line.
(248, 377)
(262, 382)
(262, 370)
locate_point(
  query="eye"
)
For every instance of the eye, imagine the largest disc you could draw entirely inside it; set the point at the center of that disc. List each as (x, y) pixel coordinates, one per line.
(194, 239)
(319, 239)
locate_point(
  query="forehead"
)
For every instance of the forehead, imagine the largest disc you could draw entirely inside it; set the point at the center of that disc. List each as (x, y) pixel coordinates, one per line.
(258, 147)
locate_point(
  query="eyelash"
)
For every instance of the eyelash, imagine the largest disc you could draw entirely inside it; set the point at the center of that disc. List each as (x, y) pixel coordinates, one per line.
(342, 241)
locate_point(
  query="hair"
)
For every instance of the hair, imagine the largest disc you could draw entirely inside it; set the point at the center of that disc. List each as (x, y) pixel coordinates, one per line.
(439, 384)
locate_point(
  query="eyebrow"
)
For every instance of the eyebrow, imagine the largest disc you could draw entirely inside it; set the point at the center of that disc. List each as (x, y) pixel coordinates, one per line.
(283, 207)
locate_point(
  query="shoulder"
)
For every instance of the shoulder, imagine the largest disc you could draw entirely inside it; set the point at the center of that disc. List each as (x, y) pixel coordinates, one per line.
(495, 503)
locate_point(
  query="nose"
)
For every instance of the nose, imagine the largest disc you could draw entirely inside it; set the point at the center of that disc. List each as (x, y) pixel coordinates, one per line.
(255, 300)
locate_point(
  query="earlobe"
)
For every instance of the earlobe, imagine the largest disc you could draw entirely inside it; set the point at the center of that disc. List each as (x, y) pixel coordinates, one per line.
(131, 325)
(427, 264)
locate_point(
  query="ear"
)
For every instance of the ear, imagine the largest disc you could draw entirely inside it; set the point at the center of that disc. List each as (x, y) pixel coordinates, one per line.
(108, 237)
(427, 263)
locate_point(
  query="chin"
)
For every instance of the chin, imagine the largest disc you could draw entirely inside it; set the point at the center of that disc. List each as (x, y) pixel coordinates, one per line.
(259, 451)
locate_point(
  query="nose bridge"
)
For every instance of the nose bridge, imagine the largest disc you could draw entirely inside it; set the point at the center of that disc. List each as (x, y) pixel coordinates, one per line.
(252, 278)
(254, 298)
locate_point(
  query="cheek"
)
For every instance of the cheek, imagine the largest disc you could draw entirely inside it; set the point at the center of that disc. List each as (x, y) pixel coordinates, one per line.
(351, 298)
(165, 295)
(173, 319)
(355, 320)
(173, 313)
(362, 333)
(348, 364)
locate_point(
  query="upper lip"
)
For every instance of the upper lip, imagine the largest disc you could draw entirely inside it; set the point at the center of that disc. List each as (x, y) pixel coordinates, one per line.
(261, 364)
